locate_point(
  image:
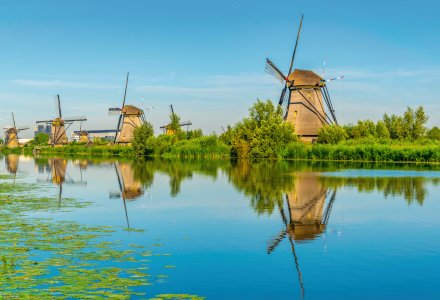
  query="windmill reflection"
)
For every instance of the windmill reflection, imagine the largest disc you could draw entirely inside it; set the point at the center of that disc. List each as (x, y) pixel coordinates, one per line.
(11, 162)
(58, 171)
(307, 216)
(129, 187)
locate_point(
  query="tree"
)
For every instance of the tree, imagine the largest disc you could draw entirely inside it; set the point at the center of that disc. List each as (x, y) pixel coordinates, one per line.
(263, 134)
(331, 134)
(40, 139)
(434, 133)
(382, 130)
(142, 139)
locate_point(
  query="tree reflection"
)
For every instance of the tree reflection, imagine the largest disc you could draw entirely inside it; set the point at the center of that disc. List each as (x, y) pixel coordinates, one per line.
(410, 188)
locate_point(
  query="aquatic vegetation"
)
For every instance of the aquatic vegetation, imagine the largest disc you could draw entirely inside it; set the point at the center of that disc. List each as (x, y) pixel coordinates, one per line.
(43, 258)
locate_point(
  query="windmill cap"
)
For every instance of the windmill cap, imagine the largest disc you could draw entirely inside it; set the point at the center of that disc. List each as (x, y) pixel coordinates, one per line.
(131, 110)
(305, 78)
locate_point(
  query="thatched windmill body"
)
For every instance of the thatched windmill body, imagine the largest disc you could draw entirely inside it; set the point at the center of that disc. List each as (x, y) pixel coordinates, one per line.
(170, 127)
(11, 134)
(305, 99)
(130, 117)
(58, 136)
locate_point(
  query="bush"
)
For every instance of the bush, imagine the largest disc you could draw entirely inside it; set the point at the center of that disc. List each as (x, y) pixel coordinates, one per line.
(264, 134)
(142, 144)
(40, 139)
(331, 134)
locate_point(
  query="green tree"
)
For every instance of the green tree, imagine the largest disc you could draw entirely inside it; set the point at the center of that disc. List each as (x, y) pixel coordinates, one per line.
(263, 134)
(434, 133)
(331, 134)
(40, 139)
(382, 130)
(142, 139)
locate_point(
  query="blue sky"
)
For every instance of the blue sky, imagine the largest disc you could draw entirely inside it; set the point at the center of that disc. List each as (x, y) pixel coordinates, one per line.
(207, 57)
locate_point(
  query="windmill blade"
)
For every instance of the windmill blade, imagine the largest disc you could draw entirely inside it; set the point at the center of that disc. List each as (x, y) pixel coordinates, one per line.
(284, 101)
(275, 241)
(117, 128)
(44, 121)
(75, 119)
(114, 111)
(13, 120)
(296, 44)
(22, 128)
(187, 123)
(336, 78)
(58, 105)
(274, 71)
(125, 92)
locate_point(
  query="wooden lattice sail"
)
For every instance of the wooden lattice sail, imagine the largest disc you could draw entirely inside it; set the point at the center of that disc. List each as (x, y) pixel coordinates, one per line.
(11, 134)
(305, 99)
(130, 117)
(59, 125)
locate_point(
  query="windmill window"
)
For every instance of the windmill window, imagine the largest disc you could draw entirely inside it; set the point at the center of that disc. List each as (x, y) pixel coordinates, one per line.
(294, 114)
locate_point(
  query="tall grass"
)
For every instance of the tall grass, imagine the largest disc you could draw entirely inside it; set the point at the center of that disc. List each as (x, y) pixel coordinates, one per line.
(363, 152)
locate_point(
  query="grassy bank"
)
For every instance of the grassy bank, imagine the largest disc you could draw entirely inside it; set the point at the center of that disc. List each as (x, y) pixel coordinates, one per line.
(363, 152)
(213, 148)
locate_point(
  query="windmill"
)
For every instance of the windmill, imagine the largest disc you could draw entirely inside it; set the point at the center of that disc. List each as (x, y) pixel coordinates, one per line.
(169, 128)
(58, 168)
(129, 187)
(130, 117)
(307, 216)
(58, 135)
(303, 97)
(11, 134)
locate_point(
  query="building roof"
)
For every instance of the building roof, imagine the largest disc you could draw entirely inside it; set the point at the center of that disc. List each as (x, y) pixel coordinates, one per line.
(304, 78)
(131, 110)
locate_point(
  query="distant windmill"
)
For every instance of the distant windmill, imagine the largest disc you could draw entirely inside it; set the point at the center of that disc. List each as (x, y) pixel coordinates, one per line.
(11, 134)
(58, 135)
(168, 129)
(130, 117)
(303, 96)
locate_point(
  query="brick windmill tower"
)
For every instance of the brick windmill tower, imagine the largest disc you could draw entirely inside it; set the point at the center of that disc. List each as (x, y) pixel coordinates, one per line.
(304, 99)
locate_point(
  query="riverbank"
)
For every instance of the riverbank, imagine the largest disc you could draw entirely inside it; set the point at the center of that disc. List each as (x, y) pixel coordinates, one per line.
(215, 149)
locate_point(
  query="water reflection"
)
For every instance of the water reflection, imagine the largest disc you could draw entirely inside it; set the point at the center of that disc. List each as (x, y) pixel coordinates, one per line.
(298, 195)
(129, 187)
(58, 172)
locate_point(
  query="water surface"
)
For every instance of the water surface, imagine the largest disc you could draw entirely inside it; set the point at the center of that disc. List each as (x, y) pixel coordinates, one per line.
(262, 230)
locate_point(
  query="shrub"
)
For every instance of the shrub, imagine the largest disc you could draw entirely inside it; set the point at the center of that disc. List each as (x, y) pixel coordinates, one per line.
(142, 144)
(331, 134)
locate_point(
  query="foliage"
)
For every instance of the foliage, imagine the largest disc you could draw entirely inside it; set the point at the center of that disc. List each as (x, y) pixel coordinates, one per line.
(194, 134)
(142, 144)
(331, 134)
(40, 139)
(263, 134)
(410, 126)
(434, 133)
